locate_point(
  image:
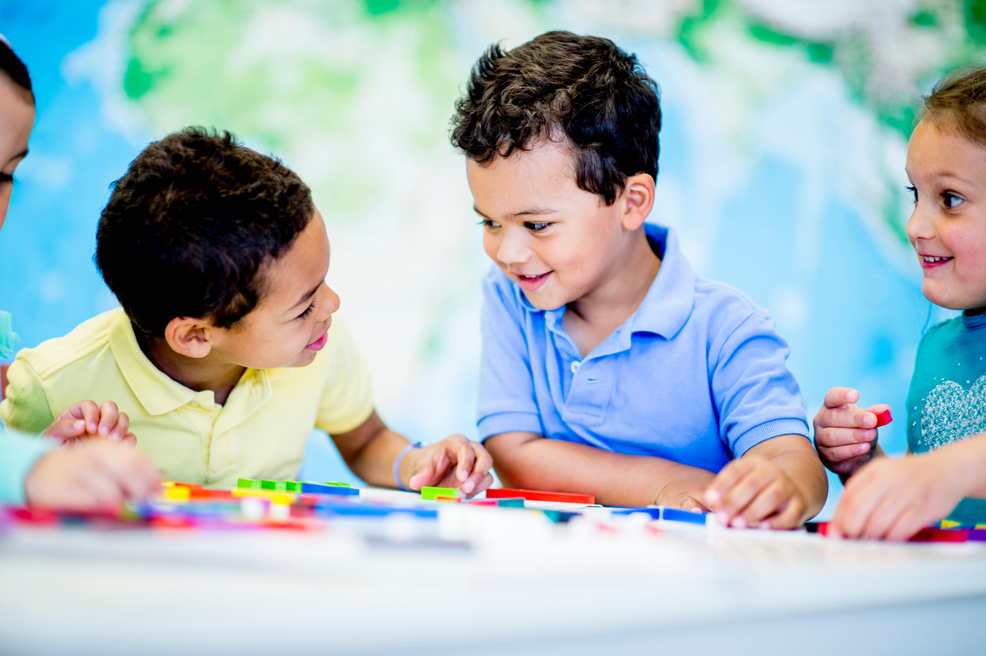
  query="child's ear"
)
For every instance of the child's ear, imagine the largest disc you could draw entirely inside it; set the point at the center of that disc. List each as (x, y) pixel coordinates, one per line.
(189, 336)
(637, 200)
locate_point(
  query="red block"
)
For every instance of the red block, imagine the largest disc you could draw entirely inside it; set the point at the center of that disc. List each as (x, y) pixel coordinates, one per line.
(539, 495)
(932, 534)
(883, 418)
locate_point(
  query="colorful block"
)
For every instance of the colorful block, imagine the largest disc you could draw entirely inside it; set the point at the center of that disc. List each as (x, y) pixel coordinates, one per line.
(247, 484)
(267, 485)
(318, 488)
(883, 418)
(678, 515)
(541, 495)
(431, 493)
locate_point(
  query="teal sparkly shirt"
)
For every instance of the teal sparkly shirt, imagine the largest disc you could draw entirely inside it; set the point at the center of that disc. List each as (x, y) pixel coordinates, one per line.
(18, 452)
(947, 398)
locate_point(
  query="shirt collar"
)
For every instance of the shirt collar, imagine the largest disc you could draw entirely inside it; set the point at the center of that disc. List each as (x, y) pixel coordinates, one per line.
(671, 296)
(155, 390)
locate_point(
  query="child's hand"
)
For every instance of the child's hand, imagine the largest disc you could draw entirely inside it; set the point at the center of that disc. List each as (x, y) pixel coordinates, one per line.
(845, 434)
(86, 420)
(93, 475)
(686, 493)
(753, 490)
(894, 499)
(453, 462)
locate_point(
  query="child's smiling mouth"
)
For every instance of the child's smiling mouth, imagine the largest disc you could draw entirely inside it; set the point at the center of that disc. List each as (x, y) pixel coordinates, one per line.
(319, 343)
(934, 261)
(531, 282)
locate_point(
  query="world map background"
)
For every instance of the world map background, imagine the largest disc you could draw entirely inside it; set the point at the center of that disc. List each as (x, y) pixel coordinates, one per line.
(782, 153)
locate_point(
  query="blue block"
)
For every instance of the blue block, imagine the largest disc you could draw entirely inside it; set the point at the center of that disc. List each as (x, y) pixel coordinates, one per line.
(655, 513)
(318, 488)
(678, 515)
(325, 507)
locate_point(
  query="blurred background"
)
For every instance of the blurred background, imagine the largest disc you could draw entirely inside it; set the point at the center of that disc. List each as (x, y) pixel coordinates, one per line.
(782, 155)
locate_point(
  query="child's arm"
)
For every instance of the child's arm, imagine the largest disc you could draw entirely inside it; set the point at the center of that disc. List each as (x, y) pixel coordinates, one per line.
(527, 460)
(893, 499)
(779, 482)
(87, 420)
(371, 449)
(845, 434)
(90, 476)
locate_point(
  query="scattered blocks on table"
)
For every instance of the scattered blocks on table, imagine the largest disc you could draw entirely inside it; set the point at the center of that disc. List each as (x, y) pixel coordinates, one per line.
(883, 418)
(432, 493)
(932, 534)
(540, 495)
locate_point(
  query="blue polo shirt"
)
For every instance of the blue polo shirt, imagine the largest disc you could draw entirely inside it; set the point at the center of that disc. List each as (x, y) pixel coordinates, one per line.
(696, 375)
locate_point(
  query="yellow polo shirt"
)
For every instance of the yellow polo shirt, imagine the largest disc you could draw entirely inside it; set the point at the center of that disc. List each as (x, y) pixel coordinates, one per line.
(259, 433)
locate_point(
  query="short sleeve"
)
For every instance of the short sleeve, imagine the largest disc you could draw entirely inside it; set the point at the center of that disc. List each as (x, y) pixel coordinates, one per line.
(18, 453)
(26, 406)
(347, 401)
(506, 388)
(756, 395)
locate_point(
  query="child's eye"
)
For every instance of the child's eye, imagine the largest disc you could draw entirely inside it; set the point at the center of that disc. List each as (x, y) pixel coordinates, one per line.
(914, 192)
(307, 311)
(487, 223)
(952, 200)
(536, 227)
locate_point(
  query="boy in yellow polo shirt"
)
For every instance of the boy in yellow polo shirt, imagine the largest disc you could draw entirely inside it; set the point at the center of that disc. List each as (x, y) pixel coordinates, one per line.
(225, 352)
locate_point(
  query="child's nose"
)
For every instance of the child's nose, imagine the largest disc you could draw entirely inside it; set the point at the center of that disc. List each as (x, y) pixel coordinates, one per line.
(512, 248)
(329, 304)
(919, 225)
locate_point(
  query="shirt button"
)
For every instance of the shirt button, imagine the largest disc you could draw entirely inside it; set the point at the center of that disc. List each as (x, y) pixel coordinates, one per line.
(575, 366)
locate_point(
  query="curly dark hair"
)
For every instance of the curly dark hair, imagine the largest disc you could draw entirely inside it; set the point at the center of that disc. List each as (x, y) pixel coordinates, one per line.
(559, 83)
(190, 226)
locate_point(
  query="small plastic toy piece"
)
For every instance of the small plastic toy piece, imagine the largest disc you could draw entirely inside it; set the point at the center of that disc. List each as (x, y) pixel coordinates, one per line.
(247, 484)
(539, 495)
(432, 493)
(334, 484)
(268, 485)
(883, 418)
(932, 534)
(679, 515)
(308, 487)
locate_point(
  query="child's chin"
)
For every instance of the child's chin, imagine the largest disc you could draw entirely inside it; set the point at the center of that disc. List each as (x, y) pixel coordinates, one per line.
(542, 303)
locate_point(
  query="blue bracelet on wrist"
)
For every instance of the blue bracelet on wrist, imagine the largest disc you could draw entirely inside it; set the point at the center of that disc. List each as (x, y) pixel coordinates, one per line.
(397, 465)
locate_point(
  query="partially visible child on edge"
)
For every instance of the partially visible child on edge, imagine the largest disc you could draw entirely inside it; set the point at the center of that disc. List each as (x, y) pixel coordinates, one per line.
(895, 498)
(651, 385)
(94, 474)
(225, 352)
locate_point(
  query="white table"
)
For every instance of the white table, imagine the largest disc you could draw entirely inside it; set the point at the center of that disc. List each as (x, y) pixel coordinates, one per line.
(485, 581)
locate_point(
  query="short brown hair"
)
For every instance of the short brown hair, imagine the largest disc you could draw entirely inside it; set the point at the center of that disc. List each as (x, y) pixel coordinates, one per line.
(958, 101)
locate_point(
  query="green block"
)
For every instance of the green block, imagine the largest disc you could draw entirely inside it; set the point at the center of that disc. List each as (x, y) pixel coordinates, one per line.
(337, 484)
(433, 492)
(247, 484)
(287, 486)
(268, 485)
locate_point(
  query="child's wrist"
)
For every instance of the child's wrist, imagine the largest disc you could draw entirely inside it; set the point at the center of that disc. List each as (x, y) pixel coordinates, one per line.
(397, 465)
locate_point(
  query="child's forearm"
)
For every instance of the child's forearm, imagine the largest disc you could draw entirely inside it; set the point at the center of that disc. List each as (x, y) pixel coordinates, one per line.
(525, 460)
(966, 462)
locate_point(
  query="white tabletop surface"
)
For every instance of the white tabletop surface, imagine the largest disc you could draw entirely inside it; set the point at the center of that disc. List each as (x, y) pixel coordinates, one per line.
(484, 581)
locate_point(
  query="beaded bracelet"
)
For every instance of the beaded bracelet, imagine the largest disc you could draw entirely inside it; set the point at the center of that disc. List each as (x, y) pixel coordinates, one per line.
(397, 465)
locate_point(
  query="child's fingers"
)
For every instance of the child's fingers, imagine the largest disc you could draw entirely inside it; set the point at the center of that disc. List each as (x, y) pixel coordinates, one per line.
(89, 412)
(129, 472)
(858, 502)
(775, 495)
(108, 416)
(843, 453)
(839, 396)
(724, 481)
(480, 471)
(789, 516)
(67, 428)
(129, 439)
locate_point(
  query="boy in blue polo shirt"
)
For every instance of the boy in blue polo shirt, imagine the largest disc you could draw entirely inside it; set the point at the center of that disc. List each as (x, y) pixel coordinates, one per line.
(608, 365)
